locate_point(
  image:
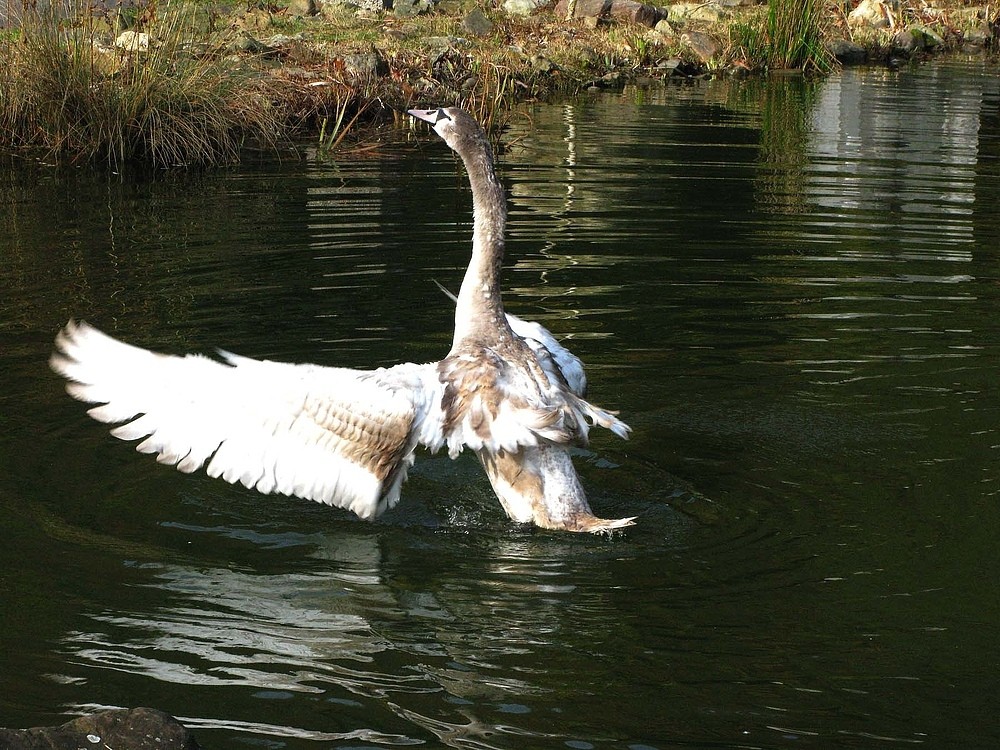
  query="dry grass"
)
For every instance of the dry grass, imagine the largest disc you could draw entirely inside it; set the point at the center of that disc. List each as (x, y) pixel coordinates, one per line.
(67, 92)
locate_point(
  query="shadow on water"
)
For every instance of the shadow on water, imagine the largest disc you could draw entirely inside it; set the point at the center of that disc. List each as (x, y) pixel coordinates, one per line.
(787, 287)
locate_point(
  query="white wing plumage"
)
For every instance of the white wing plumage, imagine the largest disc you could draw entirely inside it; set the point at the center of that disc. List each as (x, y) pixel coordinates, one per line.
(543, 343)
(333, 435)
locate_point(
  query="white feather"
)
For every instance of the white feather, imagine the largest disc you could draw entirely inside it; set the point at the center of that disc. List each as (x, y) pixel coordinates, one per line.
(304, 430)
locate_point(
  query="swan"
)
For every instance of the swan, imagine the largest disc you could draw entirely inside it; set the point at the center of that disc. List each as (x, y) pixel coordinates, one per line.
(507, 390)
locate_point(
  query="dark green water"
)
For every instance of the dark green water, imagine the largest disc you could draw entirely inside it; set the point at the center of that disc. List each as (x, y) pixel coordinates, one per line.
(792, 293)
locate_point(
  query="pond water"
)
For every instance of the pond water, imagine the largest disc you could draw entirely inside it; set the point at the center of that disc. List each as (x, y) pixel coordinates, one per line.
(791, 291)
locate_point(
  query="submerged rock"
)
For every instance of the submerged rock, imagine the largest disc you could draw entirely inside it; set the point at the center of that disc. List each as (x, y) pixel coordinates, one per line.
(122, 729)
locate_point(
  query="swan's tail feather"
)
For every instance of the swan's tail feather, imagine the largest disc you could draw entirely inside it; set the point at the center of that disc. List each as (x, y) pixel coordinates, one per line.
(606, 419)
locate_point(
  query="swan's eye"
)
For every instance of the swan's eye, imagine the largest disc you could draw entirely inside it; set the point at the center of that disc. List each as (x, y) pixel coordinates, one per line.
(441, 115)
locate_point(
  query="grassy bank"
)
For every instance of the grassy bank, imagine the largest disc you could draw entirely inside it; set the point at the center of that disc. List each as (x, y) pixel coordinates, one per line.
(186, 82)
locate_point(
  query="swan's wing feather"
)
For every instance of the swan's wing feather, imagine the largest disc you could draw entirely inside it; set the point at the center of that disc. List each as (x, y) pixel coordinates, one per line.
(543, 343)
(337, 436)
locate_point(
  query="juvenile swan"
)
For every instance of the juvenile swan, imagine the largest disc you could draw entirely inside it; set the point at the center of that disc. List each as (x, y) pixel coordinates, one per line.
(507, 390)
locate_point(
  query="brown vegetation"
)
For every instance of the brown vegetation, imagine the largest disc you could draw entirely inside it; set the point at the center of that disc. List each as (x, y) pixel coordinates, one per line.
(184, 83)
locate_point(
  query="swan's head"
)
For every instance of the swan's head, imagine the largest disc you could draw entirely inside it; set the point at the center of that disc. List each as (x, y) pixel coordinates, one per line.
(454, 125)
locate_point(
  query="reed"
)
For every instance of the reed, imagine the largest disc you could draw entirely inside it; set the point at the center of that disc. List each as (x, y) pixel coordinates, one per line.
(68, 92)
(794, 35)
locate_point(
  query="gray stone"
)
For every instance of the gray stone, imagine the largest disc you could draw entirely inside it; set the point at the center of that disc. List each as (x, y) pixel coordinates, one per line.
(703, 45)
(979, 35)
(250, 45)
(664, 28)
(542, 64)
(334, 8)
(366, 66)
(404, 8)
(916, 39)
(522, 7)
(847, 52)
(134, 729)
(584, 8)
(907, 41)
(710, 12)
(477, 24)
(622, 10)
(302, 8)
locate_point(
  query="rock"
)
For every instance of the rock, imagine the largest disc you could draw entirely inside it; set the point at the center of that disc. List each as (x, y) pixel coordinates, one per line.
(915, 39)
(477, 24)
(253, 20)
(132, 41)
(542, 64)
(250, 45)
(907, 41)
(665, 28)
(871, 13)
(644, 15)
(658, 38)
(302, 8)
(366, 66)
(607, 81)
(131, 729)
(522, 7)
(931, 38)
(703, 45)
(710, 12)
(405, 8)
(334, 8)
(979, 35)
(623, 10)
(583, 9)
(847, 52)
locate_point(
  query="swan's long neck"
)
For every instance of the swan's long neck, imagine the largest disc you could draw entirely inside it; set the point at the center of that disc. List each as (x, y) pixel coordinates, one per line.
(479, 312)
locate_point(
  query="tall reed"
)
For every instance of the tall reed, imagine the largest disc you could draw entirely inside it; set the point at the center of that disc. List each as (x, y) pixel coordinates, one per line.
(794, 32)
(67, 91)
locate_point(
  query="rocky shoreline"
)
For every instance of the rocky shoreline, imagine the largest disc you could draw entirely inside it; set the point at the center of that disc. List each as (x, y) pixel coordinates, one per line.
(327, 68)
(576, 43)
(421, 51)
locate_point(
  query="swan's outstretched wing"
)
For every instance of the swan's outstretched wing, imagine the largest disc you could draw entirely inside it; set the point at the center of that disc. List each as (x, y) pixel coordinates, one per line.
(337, 436)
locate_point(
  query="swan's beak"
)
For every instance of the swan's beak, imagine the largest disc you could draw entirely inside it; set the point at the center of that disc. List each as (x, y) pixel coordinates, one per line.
(427, 115)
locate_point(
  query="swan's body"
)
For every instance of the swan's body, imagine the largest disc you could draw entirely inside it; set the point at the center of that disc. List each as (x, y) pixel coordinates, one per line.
(507, 390)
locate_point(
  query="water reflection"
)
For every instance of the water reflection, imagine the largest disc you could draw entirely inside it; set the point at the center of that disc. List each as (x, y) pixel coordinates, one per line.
(354, 631)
